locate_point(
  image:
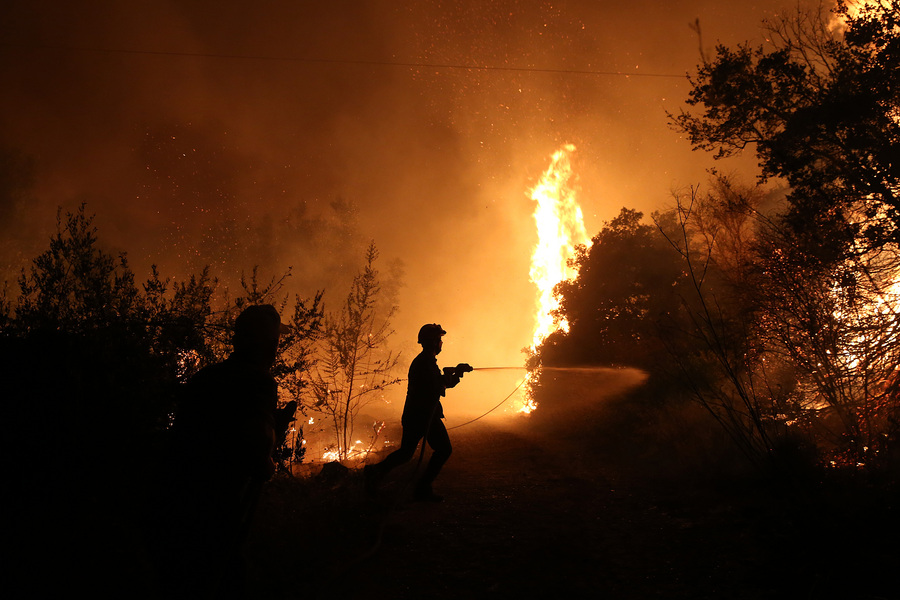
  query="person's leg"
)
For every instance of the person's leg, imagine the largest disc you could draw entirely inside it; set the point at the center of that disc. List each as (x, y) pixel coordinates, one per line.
(439, 440)
(375, 473)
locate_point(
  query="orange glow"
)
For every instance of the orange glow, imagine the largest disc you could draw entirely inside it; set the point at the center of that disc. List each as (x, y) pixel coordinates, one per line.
(333, 454)
(838, 22)
(560, 226)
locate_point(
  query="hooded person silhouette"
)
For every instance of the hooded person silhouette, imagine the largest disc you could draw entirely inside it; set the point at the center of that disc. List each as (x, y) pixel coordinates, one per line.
(225, 431)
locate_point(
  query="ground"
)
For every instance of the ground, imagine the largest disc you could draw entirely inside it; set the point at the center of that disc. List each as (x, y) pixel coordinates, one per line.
(601, 495)
(517, 521)
(548, 508)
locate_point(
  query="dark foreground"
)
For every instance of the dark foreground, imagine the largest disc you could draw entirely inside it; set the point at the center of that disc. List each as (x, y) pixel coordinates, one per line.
(574, 505)
(600, 501)
(520, 520)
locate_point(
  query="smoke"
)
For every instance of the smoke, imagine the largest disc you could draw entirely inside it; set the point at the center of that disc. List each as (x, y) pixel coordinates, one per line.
(285, 134)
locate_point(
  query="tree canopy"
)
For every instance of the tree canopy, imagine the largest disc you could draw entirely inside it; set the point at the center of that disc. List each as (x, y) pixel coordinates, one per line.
(821, 108)
(627, 281)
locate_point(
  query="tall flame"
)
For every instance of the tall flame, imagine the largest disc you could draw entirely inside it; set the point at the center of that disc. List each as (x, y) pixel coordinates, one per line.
(560, 226)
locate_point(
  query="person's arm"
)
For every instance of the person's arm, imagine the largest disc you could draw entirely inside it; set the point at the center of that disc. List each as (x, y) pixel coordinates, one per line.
(450, 378)
(452, 375)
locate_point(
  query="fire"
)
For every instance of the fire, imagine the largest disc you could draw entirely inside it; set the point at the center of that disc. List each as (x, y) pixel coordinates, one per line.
(560, 227)
(838, 23)
(333, 453)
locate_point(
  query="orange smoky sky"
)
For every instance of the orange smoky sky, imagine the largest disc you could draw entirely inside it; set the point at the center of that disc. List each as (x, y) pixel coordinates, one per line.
(289, 133)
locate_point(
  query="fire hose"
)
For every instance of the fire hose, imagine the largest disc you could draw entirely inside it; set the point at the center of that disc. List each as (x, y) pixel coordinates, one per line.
(502, 402)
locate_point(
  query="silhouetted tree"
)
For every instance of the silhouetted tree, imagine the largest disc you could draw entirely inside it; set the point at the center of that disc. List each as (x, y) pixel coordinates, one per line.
(92, 365)
(627, 282)
(838, 328)
(720, 349)
(98, 354)
(820, 110)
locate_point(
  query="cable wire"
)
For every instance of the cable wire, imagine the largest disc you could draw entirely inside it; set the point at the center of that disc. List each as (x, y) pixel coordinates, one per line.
(335, 61)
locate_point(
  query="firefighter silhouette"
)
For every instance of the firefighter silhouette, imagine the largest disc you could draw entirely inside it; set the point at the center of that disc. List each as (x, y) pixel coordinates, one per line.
(422, 416)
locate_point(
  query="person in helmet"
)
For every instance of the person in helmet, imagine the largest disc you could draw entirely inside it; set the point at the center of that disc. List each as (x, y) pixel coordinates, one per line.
(422, 414)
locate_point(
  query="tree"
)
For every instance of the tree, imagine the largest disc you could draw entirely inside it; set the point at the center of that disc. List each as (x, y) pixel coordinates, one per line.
(821, 111)
(820, 107)
(787, 358)
(627, 282)
(839, 331)
(91, 359)
(92, 364)
(354, 365)
(720, 346)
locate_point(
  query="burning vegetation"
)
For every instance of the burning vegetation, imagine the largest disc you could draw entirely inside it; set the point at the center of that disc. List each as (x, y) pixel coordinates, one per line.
(776, 308)
(773, 306)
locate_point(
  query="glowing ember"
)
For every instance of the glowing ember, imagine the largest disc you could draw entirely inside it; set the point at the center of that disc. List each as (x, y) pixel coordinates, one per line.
(331, 455)
(560, 227)
(357, 450)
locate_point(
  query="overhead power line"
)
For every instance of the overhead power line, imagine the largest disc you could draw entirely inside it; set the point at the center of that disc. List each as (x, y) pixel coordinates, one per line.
(335, 61)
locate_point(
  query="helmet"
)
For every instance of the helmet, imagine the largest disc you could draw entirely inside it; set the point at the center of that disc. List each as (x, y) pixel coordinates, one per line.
(430, 332)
